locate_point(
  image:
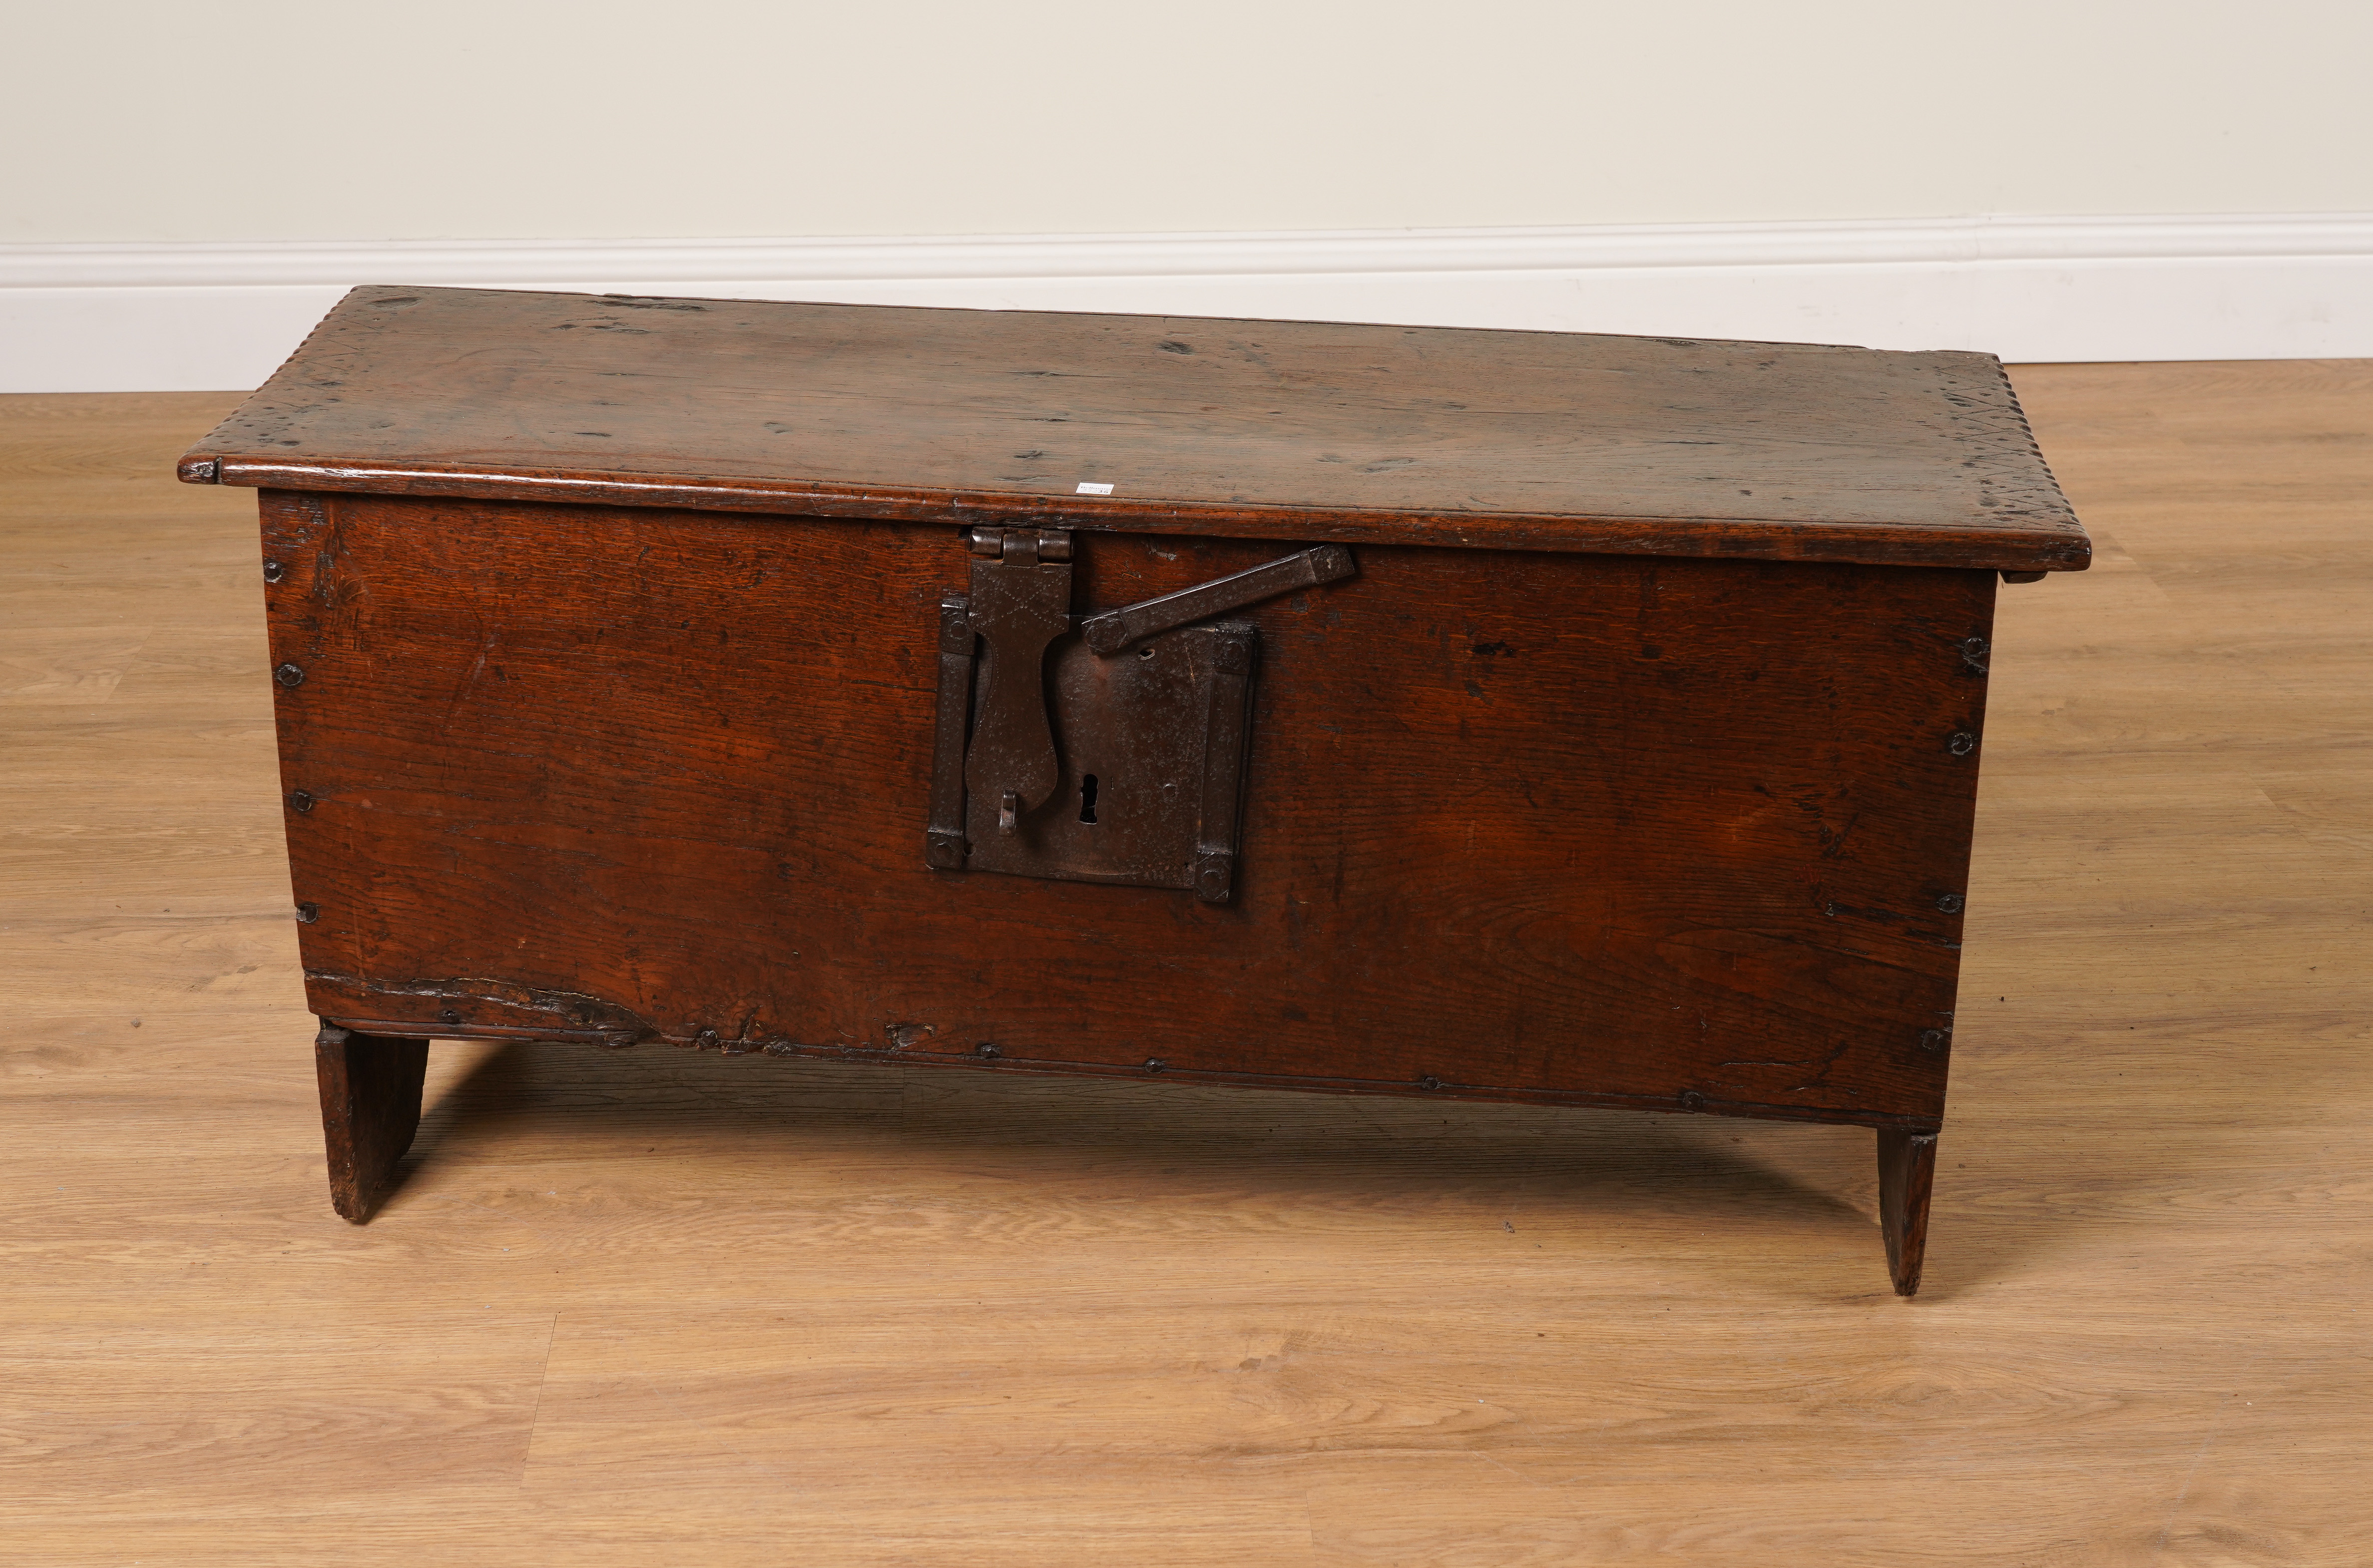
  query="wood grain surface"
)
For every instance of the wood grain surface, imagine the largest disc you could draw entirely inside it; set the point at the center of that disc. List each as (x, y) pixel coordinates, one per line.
(1435, 435)
(658, 1306)
(1606, 829)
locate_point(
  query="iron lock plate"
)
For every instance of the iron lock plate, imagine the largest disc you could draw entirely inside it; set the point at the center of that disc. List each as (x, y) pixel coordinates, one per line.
(1109, 748)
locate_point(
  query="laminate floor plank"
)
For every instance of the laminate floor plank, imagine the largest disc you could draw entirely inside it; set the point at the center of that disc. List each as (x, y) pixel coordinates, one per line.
(653, 1308)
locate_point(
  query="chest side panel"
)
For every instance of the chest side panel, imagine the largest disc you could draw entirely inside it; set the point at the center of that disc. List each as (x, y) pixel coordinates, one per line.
(1578, 826)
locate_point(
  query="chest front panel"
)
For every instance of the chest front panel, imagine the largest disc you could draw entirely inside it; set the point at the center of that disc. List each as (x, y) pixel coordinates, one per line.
(1591, 827)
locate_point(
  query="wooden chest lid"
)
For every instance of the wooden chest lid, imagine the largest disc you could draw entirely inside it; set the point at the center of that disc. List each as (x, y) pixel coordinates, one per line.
(1301, 430)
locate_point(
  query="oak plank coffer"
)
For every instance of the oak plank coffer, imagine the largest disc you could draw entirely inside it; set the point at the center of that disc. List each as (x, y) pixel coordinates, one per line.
(1492, 715)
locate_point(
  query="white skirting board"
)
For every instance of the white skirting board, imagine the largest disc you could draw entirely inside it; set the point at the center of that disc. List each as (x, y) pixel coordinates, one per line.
(206, 317)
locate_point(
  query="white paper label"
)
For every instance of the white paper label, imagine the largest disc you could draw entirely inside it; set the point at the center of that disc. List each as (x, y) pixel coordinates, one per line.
(1088, 489)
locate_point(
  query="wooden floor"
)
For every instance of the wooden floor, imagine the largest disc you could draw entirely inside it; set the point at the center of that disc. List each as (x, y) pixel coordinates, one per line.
(649, 1307)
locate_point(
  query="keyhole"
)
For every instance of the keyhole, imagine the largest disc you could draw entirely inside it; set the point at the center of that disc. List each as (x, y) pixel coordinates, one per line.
(1088, 798)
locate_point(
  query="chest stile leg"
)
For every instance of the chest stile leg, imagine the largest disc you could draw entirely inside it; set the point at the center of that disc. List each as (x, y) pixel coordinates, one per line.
(1907, 1174)
(370, 1108)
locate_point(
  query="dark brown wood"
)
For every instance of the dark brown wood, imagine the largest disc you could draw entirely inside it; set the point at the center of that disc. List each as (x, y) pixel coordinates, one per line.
(1907, 1175)
(370, 1110)
(615, 642)
(1675, 834)
(1306, 431)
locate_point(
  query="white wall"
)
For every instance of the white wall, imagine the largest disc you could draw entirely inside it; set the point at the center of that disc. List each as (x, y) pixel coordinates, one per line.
(572, 119)
(161, 130)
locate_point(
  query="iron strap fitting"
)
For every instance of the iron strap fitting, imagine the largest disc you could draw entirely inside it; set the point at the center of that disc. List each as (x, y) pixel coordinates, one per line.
(1054, 757)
